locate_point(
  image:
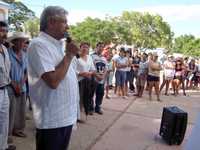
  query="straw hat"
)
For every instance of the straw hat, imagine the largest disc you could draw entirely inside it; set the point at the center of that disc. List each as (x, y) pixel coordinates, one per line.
(17, 35)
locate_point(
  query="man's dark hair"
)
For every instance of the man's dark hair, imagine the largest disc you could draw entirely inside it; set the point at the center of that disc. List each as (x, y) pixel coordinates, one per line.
(122, 49)
(3, 24)
(99, 43)
(84, 43)
(49, 13)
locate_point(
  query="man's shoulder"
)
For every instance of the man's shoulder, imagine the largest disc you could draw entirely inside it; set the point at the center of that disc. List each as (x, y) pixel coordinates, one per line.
(38, 40)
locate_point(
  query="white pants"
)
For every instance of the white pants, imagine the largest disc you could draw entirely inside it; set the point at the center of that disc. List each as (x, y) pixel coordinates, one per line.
(193, 140)
(4, 119)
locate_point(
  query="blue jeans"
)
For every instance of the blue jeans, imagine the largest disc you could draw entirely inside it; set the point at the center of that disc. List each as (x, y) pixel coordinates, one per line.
(99, 96)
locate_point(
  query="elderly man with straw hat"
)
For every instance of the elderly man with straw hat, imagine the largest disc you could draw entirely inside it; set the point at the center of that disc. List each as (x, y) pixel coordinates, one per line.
(17, 90)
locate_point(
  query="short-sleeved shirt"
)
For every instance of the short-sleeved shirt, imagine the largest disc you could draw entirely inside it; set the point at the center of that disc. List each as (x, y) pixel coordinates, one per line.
(4, 67)
(100, 64)
(52, 108)
(115, 57)
(18, 68)
(122, 61)
(85, 66)
(143, 68)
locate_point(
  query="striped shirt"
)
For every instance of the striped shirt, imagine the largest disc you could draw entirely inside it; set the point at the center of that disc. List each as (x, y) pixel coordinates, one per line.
(52, 108)
(4, 67)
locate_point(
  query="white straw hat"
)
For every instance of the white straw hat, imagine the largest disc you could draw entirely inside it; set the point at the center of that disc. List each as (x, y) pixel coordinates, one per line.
(17, 35)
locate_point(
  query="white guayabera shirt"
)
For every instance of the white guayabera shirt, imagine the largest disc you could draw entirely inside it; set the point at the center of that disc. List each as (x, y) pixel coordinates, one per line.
(52, 108)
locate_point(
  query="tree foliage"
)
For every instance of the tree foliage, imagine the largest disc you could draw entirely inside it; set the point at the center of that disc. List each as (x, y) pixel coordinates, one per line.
(32, 27)
(18, 14)
(93, 30)
(187, 44)
(146, 30)
(141, 29)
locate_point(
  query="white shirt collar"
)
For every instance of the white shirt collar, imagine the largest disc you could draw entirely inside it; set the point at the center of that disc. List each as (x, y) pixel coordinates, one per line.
(59, 43)
(50, 38)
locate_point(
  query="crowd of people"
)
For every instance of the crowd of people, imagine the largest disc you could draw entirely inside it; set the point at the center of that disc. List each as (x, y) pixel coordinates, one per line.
(63, 81)
(138, 70)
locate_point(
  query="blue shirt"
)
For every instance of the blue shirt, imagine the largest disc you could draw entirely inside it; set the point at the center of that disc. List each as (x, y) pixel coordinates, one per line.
(18, 68)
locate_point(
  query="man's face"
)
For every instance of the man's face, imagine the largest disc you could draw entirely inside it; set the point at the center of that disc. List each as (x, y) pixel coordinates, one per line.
(59, 25)
(19, 44)
(3, 34)
(100, 48)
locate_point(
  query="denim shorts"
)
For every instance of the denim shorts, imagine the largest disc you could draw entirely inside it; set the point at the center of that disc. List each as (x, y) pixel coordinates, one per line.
(120, 77)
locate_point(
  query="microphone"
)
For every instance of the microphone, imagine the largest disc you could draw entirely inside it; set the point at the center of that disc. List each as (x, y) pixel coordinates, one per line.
(67, 36)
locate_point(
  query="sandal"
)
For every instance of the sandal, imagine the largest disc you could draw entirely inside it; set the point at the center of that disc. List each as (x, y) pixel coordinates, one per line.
(20, 134)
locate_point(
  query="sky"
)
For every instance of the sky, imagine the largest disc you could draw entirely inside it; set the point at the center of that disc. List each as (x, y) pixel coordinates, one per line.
(183, 16)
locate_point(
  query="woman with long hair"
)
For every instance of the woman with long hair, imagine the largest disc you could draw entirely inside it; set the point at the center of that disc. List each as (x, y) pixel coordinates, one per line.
(179, 77)
(168, 73)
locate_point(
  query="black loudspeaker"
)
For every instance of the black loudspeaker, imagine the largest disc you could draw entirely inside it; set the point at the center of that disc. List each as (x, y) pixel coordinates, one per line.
(173, 125)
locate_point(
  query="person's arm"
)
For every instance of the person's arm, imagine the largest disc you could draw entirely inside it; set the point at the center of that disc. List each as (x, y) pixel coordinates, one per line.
(53, 78)
(121, 65)
(85, 74)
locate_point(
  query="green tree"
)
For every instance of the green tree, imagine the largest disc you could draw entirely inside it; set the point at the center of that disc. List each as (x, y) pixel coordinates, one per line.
(93, 30)
(147, 31)
(18, 14)
(187, 44)
(141, 29)
(32, 26)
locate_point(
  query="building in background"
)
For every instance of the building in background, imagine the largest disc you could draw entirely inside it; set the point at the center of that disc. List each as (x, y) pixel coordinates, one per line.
(4, 7)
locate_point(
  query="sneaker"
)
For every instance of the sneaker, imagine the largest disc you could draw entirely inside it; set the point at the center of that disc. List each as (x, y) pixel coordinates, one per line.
(11, 147)
(100, 112)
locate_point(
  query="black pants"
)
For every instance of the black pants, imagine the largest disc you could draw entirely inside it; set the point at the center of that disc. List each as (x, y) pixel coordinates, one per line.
(131, 80)
(53, 139)
(87, 89)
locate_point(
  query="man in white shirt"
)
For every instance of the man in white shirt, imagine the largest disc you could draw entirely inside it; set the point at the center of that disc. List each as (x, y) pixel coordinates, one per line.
(53, 81)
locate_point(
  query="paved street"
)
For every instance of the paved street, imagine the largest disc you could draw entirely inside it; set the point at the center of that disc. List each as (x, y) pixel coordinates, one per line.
(127, 124)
